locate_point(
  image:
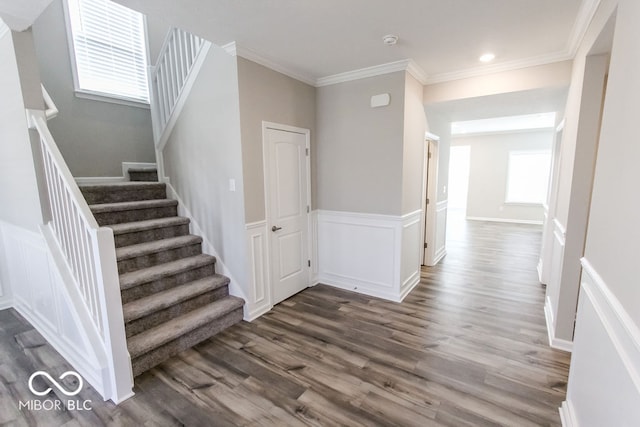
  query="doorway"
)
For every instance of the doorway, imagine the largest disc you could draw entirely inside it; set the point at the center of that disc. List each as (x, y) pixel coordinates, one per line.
(287, 193)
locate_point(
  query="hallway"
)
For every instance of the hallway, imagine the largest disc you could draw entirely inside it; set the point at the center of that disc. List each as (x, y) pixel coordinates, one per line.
(467, 347)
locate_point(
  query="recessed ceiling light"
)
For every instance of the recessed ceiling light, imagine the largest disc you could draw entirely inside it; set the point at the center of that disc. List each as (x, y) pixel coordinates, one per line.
(487, 57)
(390, 39)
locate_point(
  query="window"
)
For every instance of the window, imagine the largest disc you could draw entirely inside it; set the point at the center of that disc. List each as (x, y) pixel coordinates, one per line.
(528, 176)
(109, 47)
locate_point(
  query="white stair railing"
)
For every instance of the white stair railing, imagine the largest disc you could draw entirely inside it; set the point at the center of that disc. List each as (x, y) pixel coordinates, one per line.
(181, 54)
(89, 252)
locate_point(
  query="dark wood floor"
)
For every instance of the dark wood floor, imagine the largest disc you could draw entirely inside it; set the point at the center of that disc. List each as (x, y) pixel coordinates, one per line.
(468, 347)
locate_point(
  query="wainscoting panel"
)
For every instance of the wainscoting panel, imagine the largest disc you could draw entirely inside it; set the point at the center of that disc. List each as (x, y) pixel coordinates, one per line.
(411, 244)
(553, 287)
(259, 298)
(40, 296)
(440, 249)
(364, 252)
(604, 380)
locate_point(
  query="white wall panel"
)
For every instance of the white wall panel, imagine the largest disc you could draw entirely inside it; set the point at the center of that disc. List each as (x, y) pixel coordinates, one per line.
(604, 379)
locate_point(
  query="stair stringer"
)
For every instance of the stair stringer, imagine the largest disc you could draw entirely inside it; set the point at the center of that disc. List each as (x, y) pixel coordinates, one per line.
(208, 248)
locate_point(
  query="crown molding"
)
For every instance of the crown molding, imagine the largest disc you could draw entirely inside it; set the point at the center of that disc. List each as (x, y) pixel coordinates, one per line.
(377, 70)
(586, 13)
(234, 49)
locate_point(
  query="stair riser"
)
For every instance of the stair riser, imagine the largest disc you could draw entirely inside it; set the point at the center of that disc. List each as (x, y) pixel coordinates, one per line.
(150, 260)
(142, 324)
(143, 176)
(119, 217)
(145, 236)
(148, 360)
(96, 196)
(165, 283)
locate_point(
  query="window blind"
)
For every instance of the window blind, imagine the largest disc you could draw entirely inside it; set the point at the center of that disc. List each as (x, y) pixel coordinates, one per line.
(110, 51)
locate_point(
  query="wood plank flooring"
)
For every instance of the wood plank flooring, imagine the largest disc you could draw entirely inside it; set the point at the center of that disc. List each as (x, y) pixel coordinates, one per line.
(467, 347)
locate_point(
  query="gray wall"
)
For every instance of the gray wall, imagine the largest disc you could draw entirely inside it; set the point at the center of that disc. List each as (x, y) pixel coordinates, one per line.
(203, 153)
(488, 173)
(95, 137)
(414, 129)
(269, 96)
(19, 200)
(359, 152)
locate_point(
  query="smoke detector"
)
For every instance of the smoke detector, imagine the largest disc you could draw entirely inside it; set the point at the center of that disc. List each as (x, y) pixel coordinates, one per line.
(390, 39)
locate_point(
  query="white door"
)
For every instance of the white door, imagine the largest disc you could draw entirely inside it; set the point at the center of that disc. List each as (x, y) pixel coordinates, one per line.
(288, 217)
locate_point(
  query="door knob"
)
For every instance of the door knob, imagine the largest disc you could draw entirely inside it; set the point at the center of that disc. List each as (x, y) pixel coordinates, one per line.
(274, 228)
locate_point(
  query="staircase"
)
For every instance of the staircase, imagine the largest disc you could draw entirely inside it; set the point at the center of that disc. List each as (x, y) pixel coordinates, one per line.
(172, 297)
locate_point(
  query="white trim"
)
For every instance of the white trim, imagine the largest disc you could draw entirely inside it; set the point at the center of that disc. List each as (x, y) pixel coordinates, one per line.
(112, 99)
(507, 220)
(585, 15)
(376, 70)
(567, 415)
(431, 136)
(557, 343)
(560, 126)
(417, 72)
(234, 49)
(622, 330)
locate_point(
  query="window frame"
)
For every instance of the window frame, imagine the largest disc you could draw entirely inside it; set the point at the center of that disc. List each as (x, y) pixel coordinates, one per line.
(93, 95)
(510, 202)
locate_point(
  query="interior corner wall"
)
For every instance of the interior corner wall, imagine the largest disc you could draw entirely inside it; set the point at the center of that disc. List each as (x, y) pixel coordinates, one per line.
(203, 153)
(359, 149)
(266, 95)
(488, 170)
(94, 137)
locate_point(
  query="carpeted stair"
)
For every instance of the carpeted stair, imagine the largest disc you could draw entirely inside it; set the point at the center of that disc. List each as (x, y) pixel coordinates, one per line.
(172, 297)
(143, 174)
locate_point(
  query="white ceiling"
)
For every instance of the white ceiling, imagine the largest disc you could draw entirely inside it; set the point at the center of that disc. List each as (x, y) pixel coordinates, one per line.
(321, 38)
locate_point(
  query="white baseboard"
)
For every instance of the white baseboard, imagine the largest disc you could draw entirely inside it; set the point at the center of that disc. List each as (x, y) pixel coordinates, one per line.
(567, 417)
(507, 220)
(557, 343)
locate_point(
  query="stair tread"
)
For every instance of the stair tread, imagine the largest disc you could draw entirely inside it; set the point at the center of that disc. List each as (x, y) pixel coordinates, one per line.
(155, 337)
(127, 185)
(123, 206)
(149, 224)
(149, 274)
(147, 248)
(165, 299)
